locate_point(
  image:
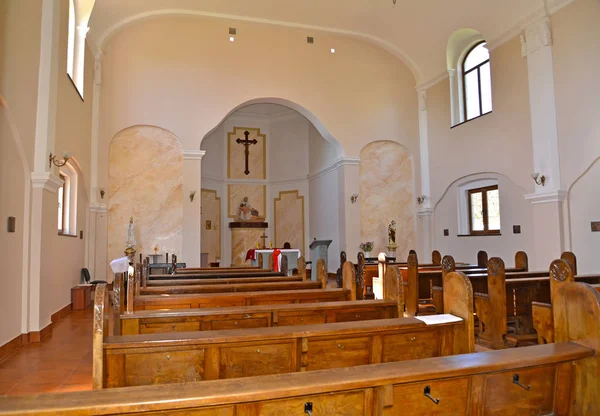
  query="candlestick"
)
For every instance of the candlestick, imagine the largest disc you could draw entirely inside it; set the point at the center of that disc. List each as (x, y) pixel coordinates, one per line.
(270, 244)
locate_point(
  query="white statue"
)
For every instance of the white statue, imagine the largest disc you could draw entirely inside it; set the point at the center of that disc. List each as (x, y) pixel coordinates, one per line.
(130, 234)
(245, 211)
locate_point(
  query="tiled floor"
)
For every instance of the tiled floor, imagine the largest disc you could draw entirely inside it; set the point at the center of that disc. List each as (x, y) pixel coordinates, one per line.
(63, 362)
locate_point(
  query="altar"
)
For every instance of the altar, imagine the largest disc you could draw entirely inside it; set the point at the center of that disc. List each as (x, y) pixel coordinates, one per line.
(291, 253)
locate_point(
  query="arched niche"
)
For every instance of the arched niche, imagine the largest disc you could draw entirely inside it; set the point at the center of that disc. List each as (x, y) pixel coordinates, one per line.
(583, 200)
(387, 194)
(145, 181)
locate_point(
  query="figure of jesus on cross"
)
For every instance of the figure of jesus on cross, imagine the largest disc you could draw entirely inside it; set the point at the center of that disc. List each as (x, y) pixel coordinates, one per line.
(246, 142)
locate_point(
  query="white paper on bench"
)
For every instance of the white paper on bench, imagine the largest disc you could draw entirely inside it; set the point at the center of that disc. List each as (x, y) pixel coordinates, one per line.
(444, 318)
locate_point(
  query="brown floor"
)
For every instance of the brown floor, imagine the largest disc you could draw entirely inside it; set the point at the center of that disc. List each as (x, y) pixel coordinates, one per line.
(63, 362)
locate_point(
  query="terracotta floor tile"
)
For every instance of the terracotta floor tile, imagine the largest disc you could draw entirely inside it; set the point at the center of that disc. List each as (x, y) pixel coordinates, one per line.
(62, 361)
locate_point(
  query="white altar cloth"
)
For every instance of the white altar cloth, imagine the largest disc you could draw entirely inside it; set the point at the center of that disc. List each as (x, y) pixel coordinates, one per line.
(291, 253)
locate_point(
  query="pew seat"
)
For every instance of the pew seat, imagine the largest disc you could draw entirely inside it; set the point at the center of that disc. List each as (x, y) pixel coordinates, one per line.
(479, 383)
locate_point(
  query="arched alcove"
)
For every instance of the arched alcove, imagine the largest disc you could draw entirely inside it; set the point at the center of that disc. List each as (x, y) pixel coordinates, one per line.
(387, 194)
(146, 182)
(451, 213)
(583, 201)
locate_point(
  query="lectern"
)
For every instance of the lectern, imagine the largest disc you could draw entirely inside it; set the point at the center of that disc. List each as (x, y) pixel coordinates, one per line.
(318, 250)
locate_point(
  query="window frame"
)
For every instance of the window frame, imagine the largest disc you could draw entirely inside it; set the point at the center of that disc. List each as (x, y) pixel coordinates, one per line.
(483, 190)
(63, 202)
(464, 83)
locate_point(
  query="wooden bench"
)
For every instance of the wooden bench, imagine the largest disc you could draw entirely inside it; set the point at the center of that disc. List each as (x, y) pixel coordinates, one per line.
(561, 273)
(501, 301)
(268, 315)
(560, 379)
(192, 356)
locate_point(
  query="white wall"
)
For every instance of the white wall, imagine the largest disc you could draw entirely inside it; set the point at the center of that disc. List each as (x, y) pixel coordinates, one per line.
(576, 61)
(324, 188)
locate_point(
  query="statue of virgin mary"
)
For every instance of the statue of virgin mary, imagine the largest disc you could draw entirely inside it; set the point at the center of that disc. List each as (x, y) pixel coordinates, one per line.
(130, 234)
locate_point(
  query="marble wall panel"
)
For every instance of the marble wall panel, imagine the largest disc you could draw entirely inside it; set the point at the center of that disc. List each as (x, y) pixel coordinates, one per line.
(256, 194)
(289, 219)
(211, 232)
(146, 182)
(236, 158)
(387, 193)
(243, 239)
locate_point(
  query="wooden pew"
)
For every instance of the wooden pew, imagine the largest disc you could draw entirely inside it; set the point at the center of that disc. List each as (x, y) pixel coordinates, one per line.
(270, 315)
(560, 379)
(192, 356)
(500, 302)
(226, 279)
(561, 273)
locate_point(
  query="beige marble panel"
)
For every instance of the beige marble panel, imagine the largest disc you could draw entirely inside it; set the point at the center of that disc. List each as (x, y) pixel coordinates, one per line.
(257, 157)
(211, 224)
(146, 182)
(256, 194)
(242, 240)
(386, 194)
(289, 219)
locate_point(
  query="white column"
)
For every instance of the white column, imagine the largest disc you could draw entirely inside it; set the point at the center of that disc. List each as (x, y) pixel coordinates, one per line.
(536, 43)
(92, 243)
(192, 224)
(42, 178)
(424, 211)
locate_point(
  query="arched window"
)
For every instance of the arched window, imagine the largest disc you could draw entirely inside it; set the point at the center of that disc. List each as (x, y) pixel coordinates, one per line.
(477, 82)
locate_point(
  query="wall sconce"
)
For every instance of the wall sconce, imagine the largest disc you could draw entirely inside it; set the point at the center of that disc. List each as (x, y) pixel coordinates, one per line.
(354, 198)
(52, 159)
(421, 199)
(102, 192)
(539, 179)
(192, 195)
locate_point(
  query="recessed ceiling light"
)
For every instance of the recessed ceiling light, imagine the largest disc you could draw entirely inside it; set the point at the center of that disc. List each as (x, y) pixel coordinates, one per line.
(332, 50)
(231, 38)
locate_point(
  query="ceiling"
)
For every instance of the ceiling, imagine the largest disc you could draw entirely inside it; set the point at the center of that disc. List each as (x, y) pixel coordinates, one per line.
(417, 31)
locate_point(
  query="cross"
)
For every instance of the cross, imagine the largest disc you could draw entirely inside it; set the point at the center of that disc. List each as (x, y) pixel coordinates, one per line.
(246, 142)
(264, 240)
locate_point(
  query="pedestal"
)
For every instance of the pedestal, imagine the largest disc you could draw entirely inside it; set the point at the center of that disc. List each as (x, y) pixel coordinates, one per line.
(391, 250)
(318, 250)
(244, 236)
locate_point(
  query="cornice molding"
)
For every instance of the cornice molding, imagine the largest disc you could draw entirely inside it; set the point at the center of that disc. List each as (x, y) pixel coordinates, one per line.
(343, 161)
(46, 180)
(434, 81)
(100, 208)
(424, 212)
(546, 197)
(193, 154)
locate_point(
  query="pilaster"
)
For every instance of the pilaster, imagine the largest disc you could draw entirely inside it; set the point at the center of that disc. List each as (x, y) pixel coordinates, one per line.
(192, 209)
(536, 46)
(424, 213)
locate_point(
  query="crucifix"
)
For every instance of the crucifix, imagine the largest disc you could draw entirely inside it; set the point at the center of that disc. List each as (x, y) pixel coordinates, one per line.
(264, 241)
(246, 142)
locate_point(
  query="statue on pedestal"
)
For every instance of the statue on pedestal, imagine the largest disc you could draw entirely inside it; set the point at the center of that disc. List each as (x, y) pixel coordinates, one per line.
(392, 246)
(130, 242)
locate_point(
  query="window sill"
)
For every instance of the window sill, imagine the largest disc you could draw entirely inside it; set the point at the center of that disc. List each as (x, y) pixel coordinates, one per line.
(474, 118)
(67, 235)
(479, 235)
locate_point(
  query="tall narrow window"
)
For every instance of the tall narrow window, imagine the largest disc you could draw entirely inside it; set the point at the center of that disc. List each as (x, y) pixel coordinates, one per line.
(61, 204)
(71, 40)
(484, 210)
(477, 82)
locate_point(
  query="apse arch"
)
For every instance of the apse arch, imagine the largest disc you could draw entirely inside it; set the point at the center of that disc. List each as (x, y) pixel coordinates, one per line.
(309, 115)
(374, 40)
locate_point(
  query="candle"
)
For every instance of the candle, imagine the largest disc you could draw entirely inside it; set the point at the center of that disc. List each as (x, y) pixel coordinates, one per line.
(270, 244)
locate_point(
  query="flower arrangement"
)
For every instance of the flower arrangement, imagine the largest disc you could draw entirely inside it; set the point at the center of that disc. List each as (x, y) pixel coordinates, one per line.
(367, 247)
